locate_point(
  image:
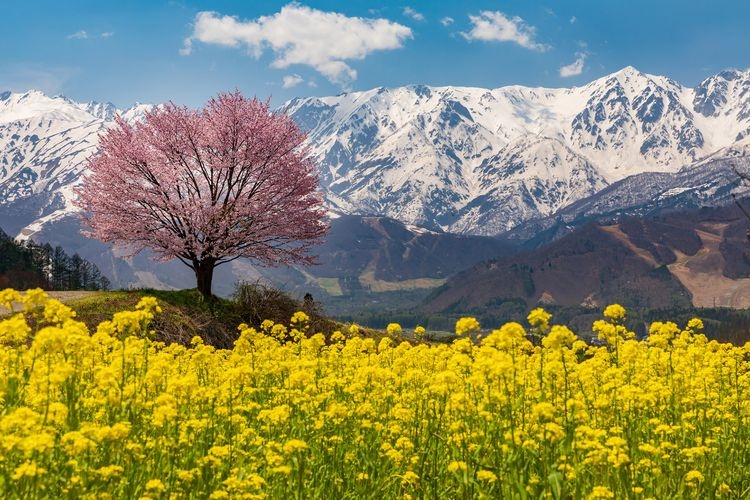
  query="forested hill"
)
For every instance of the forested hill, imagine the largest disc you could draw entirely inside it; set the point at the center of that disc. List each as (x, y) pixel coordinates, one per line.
(692, 258)
(28, 265)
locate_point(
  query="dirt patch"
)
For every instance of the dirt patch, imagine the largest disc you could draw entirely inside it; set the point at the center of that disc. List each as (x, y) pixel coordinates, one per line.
(625, 240)
(702, 273)
(368, 280)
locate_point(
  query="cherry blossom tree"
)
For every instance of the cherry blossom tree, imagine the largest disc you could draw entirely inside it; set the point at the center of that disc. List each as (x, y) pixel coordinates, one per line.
(206, 186)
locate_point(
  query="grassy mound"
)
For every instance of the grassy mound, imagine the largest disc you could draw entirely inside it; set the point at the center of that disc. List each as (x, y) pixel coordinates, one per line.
(186, 314)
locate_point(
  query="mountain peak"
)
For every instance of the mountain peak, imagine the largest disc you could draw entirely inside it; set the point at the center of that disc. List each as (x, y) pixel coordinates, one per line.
(40, 94)
(628, 71)
(729, 74)
(632, 74)
(635, 77)
(136, 113)
(102, 110)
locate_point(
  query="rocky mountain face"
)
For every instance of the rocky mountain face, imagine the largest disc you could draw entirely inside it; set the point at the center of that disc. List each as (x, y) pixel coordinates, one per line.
(44, 143)
(457, 159)
(710, 182)
(484, 161)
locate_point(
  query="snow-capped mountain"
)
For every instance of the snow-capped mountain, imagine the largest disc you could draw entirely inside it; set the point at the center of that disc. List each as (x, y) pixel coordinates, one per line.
(634, 122)
(482, 161)
(531, 175)
(722, 104)
(44, 143)
(458, 159)
(704, 184)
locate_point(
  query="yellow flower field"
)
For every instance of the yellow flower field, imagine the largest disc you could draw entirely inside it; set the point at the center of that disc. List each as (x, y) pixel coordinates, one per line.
(525, 412)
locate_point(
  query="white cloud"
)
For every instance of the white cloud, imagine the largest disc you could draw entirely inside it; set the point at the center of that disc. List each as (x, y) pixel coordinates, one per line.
(84, 35)
(409, 12)
(573, 19)
(187, 47)
(494, 26)
(301, 35)
(447, 21)
(290, 81)
(575, 68)
(78, 35)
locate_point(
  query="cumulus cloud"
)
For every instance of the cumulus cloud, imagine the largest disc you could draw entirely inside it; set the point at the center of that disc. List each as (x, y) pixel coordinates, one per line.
(575, 68)
(495, 26)
(78, 35)
(298, 34)
(409, 12)
(290, 81)
(107, 34)
(447, 21)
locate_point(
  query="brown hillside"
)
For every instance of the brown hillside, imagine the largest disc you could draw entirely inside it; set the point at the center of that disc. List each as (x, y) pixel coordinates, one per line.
(592, 266)
(699, 258)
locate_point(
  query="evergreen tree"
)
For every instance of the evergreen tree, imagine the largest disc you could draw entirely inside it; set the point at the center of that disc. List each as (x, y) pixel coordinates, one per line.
(75, 268)
(59, 269)
(28, 265)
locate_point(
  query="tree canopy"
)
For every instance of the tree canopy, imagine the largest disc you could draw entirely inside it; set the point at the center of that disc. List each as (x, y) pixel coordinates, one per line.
(233, 179)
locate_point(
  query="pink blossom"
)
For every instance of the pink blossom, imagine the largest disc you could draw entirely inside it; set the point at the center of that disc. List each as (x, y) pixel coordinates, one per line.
(206, 186)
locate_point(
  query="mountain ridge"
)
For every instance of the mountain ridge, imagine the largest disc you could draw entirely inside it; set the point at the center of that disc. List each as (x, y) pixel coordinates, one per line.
(428, 155)
(458, 159)
(697, 258)
(44, 144)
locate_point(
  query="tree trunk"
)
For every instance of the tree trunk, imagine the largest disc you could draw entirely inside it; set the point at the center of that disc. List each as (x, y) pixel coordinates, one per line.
(204, 274)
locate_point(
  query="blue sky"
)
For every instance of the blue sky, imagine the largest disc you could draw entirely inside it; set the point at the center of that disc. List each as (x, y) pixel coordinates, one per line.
(187, 51)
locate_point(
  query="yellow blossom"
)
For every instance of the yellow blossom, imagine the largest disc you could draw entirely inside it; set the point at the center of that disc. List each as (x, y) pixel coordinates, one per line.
(539, 319)
(615, 312)
(466, 325)
(393, 329)
(409, 477)
(456, 466)
(694, 476)
(486, 476)
(601, 492)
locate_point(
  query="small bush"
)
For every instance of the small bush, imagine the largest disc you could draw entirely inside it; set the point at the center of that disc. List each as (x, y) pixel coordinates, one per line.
(258, 302)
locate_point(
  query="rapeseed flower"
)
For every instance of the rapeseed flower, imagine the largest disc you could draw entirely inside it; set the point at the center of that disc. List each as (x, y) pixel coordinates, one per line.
(466, 325)
(393, 329)
(118, 413)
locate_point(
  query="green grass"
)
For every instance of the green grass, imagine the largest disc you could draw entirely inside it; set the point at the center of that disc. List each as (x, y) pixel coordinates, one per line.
(331, 286)
(186, 314)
